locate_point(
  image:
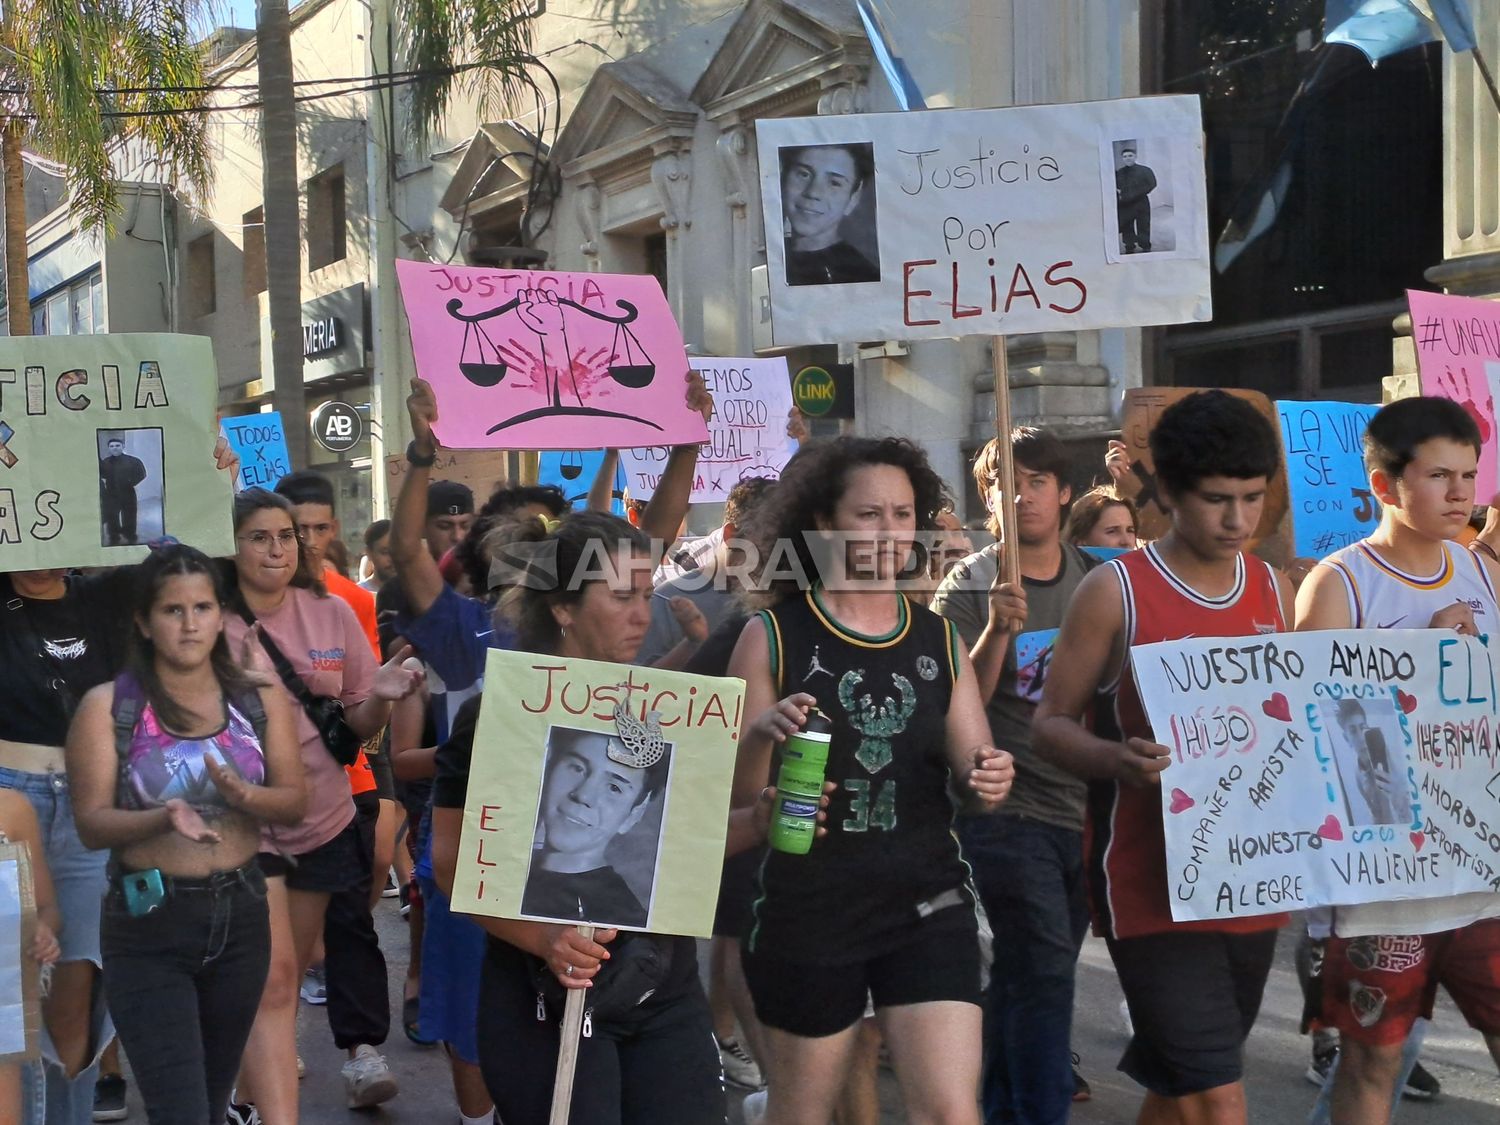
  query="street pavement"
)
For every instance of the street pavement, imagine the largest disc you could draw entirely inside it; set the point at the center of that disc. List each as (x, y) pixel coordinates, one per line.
(1277, 1058)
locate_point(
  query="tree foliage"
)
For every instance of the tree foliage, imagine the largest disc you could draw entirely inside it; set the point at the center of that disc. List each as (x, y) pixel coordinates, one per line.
(440, 37)
(86, 75)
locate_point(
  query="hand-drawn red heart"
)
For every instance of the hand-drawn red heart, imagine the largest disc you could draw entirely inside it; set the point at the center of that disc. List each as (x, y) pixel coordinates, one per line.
(1278, 708)
(1408, 703)
(1417, 840)
(1181, 802)
(1331, 829)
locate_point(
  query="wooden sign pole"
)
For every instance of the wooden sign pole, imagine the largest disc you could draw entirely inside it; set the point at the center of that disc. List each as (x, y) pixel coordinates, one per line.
(1010, 553)
(567, 1058)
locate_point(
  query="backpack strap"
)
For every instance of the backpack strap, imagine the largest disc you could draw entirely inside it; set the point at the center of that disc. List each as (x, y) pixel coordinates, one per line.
(250, 705)
(129, 703)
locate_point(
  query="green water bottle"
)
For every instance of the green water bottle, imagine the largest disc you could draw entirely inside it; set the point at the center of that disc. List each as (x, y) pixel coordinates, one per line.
(799, 785)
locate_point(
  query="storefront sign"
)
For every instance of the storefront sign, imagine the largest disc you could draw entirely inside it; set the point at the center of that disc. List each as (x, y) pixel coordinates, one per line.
(337, 426)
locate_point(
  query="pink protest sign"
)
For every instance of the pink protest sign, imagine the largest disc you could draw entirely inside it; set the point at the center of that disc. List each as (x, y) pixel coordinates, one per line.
(530, 360)
(1458, 357)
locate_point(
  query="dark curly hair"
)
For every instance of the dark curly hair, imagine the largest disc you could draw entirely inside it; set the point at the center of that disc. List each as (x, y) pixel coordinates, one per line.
(811, 485)
(1212, 434)
(545, 567)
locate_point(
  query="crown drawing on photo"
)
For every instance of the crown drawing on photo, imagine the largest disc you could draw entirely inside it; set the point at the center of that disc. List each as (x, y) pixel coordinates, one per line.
(641, 744)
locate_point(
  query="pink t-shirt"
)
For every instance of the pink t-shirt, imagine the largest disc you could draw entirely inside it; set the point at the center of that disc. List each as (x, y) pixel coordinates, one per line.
(324, 643)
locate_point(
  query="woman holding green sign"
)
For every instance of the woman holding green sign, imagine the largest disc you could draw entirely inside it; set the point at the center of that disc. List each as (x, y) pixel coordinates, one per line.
(639, 1063)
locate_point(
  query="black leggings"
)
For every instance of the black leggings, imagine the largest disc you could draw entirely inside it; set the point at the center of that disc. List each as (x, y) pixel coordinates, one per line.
(661, 1067)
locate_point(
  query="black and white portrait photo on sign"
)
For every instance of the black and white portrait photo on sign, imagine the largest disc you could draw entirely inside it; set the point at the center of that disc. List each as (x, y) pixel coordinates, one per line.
(828, 214)
(1370, 753)
(597, 836)
(132, 486)
(1151, 207)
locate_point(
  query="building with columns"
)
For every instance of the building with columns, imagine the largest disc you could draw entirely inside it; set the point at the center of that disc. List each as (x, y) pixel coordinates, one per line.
(641, 159)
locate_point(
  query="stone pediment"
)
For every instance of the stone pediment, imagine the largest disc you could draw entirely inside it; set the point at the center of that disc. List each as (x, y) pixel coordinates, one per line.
(495, 170)
(780, 56)
(628, 113)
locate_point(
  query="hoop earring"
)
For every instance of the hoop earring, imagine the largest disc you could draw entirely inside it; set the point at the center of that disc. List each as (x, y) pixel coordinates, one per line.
(562, 632)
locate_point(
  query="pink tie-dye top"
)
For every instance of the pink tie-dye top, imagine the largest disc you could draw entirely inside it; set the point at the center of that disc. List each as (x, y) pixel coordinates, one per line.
(162, 766)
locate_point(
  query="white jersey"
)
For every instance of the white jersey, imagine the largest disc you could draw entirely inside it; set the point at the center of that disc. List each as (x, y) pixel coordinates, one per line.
(1382, 596)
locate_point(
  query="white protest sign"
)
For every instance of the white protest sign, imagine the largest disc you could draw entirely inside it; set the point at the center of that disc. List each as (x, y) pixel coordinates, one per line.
(1324, 769)
(746, 435)
(942, 223)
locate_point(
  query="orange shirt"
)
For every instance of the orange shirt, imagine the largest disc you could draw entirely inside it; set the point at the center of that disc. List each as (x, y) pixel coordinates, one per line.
(362, 602)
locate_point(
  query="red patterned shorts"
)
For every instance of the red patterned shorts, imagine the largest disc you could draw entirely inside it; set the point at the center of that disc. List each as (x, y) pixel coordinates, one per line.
(1374, 988)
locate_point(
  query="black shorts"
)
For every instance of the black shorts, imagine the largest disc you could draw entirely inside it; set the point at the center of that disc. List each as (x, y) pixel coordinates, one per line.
(1193, 998)
(380, 766)
(938, 961)
(327, 869)
(732, 914)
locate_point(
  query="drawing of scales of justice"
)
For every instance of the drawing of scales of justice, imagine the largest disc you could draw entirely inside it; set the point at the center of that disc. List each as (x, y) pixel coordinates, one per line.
(487, 357)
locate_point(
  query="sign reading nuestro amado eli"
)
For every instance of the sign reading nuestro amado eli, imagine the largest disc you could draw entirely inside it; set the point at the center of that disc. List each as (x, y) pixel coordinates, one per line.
(1329, 768)
(598, 793)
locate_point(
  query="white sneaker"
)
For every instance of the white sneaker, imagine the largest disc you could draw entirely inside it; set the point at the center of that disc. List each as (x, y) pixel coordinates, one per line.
(367, 1079)
(1125, 1018)
(392, 886)
(753, 1108)
(739, 1067)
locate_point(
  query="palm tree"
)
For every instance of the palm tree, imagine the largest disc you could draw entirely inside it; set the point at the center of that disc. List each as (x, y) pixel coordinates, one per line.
(482, 47)
(278, 148)
(79, 79)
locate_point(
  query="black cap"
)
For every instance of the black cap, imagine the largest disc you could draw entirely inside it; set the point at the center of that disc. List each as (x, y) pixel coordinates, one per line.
(449, 498)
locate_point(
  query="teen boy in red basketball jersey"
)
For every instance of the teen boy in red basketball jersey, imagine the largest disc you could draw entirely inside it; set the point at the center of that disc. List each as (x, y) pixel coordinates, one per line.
(1382, 966)
(1194, 988)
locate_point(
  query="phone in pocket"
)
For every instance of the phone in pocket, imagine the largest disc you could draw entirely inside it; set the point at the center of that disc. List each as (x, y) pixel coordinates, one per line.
(144, 891)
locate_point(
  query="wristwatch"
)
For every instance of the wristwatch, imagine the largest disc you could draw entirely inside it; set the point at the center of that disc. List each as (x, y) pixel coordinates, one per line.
(415, 458)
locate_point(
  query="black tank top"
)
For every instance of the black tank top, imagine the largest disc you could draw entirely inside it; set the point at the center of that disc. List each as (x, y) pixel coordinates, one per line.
(890, 849)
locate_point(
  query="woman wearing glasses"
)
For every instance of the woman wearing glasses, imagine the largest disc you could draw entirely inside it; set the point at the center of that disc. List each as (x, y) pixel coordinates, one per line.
(321, 639)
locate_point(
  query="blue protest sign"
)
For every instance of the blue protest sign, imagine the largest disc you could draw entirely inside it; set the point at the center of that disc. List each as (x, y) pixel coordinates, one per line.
(1325, 468)
(574, 470)
(261, 444)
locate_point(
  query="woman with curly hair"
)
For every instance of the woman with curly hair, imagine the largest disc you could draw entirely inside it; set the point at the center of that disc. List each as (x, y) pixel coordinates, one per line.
(880, 908)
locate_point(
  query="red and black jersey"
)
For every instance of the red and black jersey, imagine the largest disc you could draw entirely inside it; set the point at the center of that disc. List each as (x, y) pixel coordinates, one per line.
(1126, 846)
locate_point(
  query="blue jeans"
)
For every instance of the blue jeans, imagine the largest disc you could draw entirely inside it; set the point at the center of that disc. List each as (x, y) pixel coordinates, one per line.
(78, 883)
(184, 983)
(1030, 879)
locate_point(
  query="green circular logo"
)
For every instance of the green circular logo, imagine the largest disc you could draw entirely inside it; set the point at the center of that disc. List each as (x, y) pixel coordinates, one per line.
(813, 391)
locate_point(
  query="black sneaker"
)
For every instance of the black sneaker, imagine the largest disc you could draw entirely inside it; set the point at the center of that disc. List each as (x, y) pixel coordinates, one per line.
(1420, 1086)
(241, 1113)
(1322, 1063)
(109, 1098)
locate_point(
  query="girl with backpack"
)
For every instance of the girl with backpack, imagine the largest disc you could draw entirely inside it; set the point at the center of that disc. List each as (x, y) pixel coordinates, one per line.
(175, 767)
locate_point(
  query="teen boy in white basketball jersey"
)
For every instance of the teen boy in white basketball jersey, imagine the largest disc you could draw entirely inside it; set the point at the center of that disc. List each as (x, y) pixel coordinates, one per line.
(1384, 961)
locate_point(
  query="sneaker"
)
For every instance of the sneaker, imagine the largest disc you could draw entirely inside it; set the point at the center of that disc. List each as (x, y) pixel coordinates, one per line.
(301, 1068)
(1125, 1018)
(1420, 1086)
(109, 1098)
(367, 1079)
(753, 1108)
(392, 887)
(739, 1067)
(1323, 1057)
(1081, 1090)
(241, 1113)
(314, 986)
